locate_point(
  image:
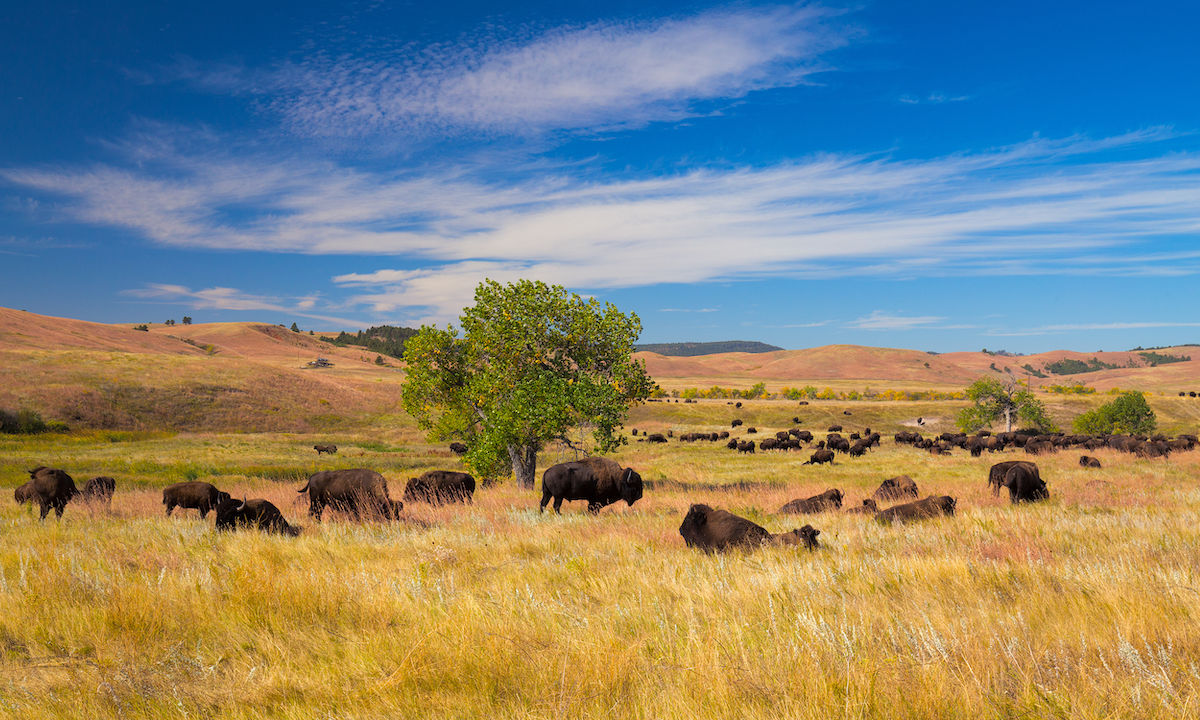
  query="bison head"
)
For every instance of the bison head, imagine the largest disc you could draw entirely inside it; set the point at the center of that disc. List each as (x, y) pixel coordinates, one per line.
(222, 496)
(631, 486)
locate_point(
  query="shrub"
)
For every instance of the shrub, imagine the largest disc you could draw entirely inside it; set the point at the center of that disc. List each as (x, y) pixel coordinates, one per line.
(22, 422)
(143, 327)
(1129, 413)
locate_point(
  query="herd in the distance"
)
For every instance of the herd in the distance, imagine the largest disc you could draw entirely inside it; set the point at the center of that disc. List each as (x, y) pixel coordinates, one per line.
(363, 493)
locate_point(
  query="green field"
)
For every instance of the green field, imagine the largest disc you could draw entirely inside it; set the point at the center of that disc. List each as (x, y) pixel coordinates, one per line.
(1085, 606)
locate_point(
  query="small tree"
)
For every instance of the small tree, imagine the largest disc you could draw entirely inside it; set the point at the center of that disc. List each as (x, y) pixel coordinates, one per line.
(1129, 413)
(170, 322)
(994, 400)
(378, 359)
(295, 328)
(531, 362)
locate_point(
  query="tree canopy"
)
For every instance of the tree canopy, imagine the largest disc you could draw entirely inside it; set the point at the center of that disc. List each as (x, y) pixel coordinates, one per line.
(993, 400)
(1129, 413)
(531, 362)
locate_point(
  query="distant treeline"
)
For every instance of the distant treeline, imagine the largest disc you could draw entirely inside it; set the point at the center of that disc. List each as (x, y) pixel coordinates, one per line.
(690, 349)
(385, 339)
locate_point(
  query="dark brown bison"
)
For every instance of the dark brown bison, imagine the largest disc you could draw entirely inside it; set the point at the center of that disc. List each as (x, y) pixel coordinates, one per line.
(1088, 461)
(931, 506)
(820, 456)
(599, 481)
(25, 493)
(1024, 484)
(997, 472)
(713, 530)
(357, 491)
(897, 488)
(50, 488)
(201, 496)
(330, 449)
(461, 448)
(835, 428)
(656, 438)
(868, 507)
(831, 499)
(745, 446)
(440, 486)
(735, 423)
(99, 489)
(260, 514)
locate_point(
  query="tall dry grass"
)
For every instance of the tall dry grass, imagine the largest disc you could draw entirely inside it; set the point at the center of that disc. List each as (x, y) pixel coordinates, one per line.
(1084, 606)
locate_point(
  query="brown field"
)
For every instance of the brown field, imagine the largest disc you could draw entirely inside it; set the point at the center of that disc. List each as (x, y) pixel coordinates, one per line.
(1084, 606)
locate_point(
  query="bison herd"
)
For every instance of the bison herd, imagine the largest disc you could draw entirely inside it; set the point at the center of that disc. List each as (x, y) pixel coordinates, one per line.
(363, 493)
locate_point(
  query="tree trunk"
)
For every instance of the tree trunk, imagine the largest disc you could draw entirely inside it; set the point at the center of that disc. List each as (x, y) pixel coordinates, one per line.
(524, 461)
(1008, 413)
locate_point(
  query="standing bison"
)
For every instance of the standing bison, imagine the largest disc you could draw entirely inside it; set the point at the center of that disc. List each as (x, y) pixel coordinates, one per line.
(323, 449)
(100, 489)
(260, 514)
(201, 496)
(600, 481)
(440, 486)
(50, 488)
(931, 506)
(1024, 484)
(822, 455)
(713, 530)
(997, 472)
(357, 491)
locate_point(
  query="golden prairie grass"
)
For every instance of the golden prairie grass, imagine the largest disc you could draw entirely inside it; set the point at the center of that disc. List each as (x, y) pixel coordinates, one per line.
(1083, 606)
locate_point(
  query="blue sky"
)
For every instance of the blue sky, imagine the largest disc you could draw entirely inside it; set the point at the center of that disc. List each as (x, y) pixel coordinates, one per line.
(934, 175)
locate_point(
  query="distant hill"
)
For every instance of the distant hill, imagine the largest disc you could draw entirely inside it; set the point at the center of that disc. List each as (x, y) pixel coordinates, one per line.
(692, 349)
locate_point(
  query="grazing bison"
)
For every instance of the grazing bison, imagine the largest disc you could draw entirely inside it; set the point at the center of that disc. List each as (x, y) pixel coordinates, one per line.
(50, 488)
(831, 499)
(99, 489)
(997, 472)
(931, 506)
(656, 438)
(357, 491)
(1088, 461)
(600, 481)
(868, 507)
(820, 456)
(735, 423)
(440, 486)
(897, 488)
(745, 446)
(1024, 485)
(835, 428)
(331, 449)
(713, 530)
(260, 514)
(461, 448)
(199, 495)
(25, 493)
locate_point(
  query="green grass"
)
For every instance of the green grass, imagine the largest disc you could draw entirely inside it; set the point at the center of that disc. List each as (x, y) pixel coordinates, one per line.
(1084, 606)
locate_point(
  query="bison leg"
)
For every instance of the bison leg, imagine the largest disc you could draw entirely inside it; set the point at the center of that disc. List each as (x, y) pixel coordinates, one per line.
(204, 512)
(558, 506)
(58, 509)
(545, 501)
(315, 509)
(594, 507)
(45, 506)
(170, 507)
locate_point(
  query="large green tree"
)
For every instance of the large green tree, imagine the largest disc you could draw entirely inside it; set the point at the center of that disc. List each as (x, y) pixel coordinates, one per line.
(531, 363)
(993, 400)
(1129, 413)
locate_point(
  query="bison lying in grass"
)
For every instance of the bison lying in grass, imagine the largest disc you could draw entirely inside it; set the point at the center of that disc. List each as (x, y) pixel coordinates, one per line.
(931, 506)
(259, 514)
(829, 500)
(713, 530)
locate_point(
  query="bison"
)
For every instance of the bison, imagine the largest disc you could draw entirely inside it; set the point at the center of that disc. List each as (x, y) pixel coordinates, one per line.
(201, 496)
(599, 481)
(868, 507)
(50, 488)
(330, 449)
(897, 488)
(713, 530)
(99, 489)
(931, 506)
(997, 472)
(461, 448)
(25, 493)
(356, 491)
(746, 446)
(829, 500)
(1024, 484)
(1088, 461)
(440, 486)
(656, 438)
(260, 514)
(820, 456)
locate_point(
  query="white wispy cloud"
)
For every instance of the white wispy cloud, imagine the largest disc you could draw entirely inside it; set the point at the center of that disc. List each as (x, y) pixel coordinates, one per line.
(1042, 206)
(595, 75)
(223, 298)
(933, 98)
(880, 320)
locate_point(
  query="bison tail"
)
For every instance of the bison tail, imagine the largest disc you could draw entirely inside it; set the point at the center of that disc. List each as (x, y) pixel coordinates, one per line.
(303, 489)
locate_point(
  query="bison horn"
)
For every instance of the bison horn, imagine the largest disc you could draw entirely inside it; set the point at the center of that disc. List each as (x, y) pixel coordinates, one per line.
(243, 505)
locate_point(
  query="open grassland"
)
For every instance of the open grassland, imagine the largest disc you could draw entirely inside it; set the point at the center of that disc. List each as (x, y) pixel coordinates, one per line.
(1083, 606)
